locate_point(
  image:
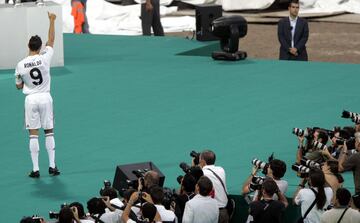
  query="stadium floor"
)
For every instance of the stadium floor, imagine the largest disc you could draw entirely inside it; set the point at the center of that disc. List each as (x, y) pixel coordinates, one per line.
(125, 99)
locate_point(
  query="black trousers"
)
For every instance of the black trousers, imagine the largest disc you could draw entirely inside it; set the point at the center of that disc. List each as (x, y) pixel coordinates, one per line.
(151, 19)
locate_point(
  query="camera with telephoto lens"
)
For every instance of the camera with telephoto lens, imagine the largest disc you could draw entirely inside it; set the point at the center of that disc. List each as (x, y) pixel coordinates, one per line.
(348, 114)
(310, 163)
(340, 141)
(307, 132)
(36, 219)
(319, 145)
(256, 183)
(302, 171)
(55, 215)
(260, 165)
(196, 157)
(186, 168)
(107, 184)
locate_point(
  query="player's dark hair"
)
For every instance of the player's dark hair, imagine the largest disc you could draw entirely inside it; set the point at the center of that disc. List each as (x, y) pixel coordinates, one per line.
(35, 43)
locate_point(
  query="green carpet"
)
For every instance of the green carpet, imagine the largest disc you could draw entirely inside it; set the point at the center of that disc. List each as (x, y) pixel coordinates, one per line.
(124, 99)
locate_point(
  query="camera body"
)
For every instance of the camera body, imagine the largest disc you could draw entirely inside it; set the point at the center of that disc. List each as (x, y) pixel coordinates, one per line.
(256, 183)
(36, 219)
(196, 157)
(107, 184)
(53, 215)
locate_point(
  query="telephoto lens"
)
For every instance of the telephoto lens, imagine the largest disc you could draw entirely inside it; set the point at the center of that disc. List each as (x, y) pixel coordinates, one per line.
(319, 145)
(185, 167)
(258, 163)
(310, 163)
(299, 132)
(356, 119)
(300, 168)
(348, 114)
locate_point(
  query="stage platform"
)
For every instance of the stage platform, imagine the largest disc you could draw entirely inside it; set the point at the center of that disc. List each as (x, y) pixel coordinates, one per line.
(122, 99)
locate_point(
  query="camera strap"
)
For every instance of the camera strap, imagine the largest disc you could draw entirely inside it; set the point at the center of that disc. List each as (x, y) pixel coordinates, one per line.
(97, 219)
(222, 183)
(342, 215)
(312, 205)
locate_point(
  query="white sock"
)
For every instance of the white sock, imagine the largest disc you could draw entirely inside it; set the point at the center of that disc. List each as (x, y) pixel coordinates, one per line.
(50, 147)
(34, 151)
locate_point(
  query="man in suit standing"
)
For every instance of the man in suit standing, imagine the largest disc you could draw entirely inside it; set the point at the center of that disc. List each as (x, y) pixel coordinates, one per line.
(293, 33)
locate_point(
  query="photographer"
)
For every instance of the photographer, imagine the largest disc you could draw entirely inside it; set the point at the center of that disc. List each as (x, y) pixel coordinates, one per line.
(97, 209)
(341, 211)
(151, 178)
(217, 176)
(267, 209)
(157, 196)
(79, 212)
(332, 177)
(202, 208)
(113, 196)
(308, 150)
(315, 199)
(351, 162)
(275, 170)
(32, 220)
(148, 209)
(186, 193)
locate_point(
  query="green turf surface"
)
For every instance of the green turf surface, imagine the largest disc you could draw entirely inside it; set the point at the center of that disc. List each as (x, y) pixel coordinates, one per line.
(124, 99)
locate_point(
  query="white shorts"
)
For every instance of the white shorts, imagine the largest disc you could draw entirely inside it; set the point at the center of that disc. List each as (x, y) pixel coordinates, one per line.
(39, 111)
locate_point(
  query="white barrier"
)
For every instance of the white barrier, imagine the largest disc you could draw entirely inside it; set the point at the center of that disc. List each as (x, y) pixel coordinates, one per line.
(18, 24)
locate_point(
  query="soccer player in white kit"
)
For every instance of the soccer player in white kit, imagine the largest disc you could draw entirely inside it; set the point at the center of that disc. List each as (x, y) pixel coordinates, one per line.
(32, 75)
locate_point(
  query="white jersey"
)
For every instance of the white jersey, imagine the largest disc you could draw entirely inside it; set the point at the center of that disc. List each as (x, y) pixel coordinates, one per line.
(35, 72)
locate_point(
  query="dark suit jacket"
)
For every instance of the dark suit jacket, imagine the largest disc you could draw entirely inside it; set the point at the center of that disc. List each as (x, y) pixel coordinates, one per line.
(300, 38)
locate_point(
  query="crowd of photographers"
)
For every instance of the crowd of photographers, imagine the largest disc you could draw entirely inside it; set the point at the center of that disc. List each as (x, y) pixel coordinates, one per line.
(321, 157)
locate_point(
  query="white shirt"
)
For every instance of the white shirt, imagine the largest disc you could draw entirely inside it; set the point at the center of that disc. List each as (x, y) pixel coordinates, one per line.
(220, 194)
(201, 209)
(35, 72)
(333, 215)
(306, 197)
(293, 27)
(166, 215)
(111, 217)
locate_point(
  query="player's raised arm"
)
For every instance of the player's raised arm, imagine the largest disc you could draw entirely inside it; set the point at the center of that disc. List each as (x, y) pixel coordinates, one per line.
(51, 34)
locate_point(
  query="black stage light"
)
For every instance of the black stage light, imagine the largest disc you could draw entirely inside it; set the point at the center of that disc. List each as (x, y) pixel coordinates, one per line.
(229, 29)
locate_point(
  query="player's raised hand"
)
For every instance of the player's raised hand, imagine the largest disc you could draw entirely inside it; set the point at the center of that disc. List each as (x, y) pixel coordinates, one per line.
(52, 16)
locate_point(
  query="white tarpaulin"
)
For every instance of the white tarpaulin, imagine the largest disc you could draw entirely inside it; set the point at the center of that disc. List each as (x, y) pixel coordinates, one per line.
(106, 18)
(313, 6)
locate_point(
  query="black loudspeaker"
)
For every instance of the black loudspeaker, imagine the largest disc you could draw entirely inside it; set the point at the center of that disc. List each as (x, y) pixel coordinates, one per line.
(125, 177)
(205, 14)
